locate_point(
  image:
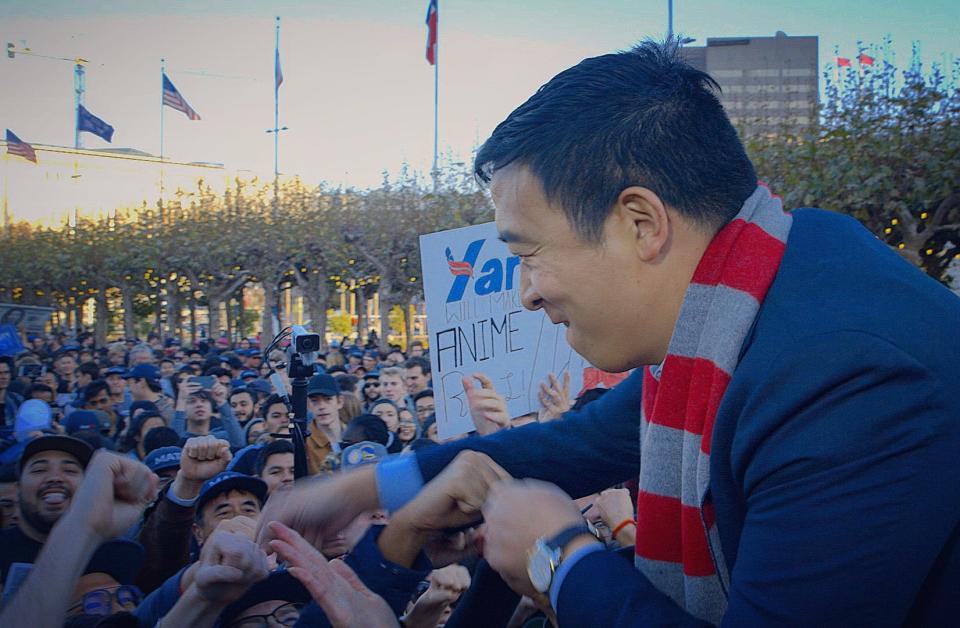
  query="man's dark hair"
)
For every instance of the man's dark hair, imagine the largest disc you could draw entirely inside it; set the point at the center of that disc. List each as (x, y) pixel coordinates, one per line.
(347, 383)
(426, 392)
(643, 117)
(366, 427)
(90, 368)
(336, 369)
(37, 388)
(160, 437)
(420, 361)
(240, 390)
(93, 389)
(279, 446)
(218, 371)
(152, 384)
(271, 400)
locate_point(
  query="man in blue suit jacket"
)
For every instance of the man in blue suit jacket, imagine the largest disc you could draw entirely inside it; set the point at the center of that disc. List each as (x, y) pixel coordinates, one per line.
(833, 472)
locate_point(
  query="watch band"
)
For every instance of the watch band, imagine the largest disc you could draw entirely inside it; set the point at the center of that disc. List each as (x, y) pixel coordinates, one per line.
(559, 541)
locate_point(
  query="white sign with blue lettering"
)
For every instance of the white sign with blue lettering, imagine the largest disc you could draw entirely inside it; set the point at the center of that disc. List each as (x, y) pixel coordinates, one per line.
(477, 324)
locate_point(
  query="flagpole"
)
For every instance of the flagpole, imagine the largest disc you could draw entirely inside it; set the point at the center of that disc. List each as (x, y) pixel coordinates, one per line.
(436, 95)
(276, 120)
(162, 74)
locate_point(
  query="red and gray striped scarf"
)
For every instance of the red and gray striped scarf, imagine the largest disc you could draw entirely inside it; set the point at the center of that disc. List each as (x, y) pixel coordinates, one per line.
(678, 548)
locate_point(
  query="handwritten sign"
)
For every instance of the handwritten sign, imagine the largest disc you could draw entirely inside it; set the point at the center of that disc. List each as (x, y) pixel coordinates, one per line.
(478, 324)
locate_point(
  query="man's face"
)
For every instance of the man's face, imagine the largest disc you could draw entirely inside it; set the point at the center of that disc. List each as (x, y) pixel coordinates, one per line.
(425, 407)
(325, 410)
(225, 506)
(5, 375)
(141, 357)
(65, 366)
(166, 368)
(278, 472)
(116, 384)
(115, 358)
(198, 408)
(371, 389)
(395, 358)
(392, 388)
(9, 516)
(368, 363)
(388, 414)
(416, 351)
(416, 380)
(242, 405)
(276, 421)
(100, 401)
(99, 581)
(47, 485)
(600, 292)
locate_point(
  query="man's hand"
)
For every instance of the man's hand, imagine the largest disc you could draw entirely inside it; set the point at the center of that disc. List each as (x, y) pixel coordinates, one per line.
(229, 563)
(555, 397)
(318, 508)
(204, 457)
(339, 592)
(446, 585)
(614, 506)
(450, 500)
(114, 493)
(517, 514)
(219, 394)
(488, 408)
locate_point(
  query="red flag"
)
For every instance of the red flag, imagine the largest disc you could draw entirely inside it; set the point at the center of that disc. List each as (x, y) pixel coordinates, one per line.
(843, 62)
(432, 32)
(865, 59)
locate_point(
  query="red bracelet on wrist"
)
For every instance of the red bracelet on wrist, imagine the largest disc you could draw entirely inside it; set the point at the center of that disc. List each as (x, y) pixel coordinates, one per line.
(622, 525)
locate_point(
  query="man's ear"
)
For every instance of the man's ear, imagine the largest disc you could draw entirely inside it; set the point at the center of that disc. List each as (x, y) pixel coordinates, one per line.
(646, 215)
(198, 534)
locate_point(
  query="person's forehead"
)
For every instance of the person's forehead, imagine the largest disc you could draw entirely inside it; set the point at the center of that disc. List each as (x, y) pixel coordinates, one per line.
(232, 495)
(280, 459)
(521, 206)
(263, 608)
(51, 455)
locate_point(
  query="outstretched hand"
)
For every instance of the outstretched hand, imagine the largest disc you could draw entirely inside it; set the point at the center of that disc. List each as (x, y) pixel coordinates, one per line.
(488, 408)
(333, 585)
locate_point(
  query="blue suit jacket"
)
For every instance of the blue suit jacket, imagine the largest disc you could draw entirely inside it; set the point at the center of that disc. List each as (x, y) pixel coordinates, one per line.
(834, 469)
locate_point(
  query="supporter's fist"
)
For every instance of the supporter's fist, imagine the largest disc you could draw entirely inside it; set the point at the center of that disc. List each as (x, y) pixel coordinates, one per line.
(219, 394)
(114, 492)
(447, 584)
(203, 457)
(229, 563)
(488, 408)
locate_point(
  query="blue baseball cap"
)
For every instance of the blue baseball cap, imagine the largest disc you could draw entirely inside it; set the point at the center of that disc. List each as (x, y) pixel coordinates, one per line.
(163, 458)
(323, 384)
(80, 420)
(144, 371)
(115, 370)
(247, 374)
(231, 481)
(371, 353)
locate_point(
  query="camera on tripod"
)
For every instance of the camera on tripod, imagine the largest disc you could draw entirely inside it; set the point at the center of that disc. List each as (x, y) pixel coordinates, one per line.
(305, 344)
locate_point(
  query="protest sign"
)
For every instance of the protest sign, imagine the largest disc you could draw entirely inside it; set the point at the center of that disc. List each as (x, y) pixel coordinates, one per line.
(477, 324)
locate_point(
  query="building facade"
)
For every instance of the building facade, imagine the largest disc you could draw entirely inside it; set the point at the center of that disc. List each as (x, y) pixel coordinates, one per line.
(769, 84)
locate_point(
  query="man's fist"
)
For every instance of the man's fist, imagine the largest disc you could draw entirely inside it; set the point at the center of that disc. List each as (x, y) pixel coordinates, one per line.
(114, 492)
(229, 563)
(203, 457)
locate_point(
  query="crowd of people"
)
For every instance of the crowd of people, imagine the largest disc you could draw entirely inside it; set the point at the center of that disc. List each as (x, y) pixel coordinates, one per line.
(208, 425)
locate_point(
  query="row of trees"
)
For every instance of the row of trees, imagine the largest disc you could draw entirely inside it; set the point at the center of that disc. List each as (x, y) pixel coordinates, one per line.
(163, 260)
(886, 149)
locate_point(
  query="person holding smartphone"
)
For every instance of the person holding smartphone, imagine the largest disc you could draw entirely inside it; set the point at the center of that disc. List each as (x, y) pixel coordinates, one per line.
(198, 400)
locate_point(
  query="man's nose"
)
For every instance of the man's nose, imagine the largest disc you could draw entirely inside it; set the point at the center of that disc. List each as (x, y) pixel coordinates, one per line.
(530, 298)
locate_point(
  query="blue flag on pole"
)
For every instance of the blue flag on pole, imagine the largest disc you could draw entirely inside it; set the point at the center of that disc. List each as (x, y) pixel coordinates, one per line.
(90, 123)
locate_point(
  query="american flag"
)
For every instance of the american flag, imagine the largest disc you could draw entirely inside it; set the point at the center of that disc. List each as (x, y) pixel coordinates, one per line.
(432, 17)
(458, 268)
(16, 146)
(277, 72)
(172, 98)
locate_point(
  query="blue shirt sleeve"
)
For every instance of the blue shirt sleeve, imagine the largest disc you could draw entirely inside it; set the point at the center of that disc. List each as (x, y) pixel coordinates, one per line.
(398, 481)
(157, 604)
(565, 568)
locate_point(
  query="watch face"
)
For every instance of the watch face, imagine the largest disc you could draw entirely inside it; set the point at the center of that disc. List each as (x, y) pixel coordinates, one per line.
(540, 567)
